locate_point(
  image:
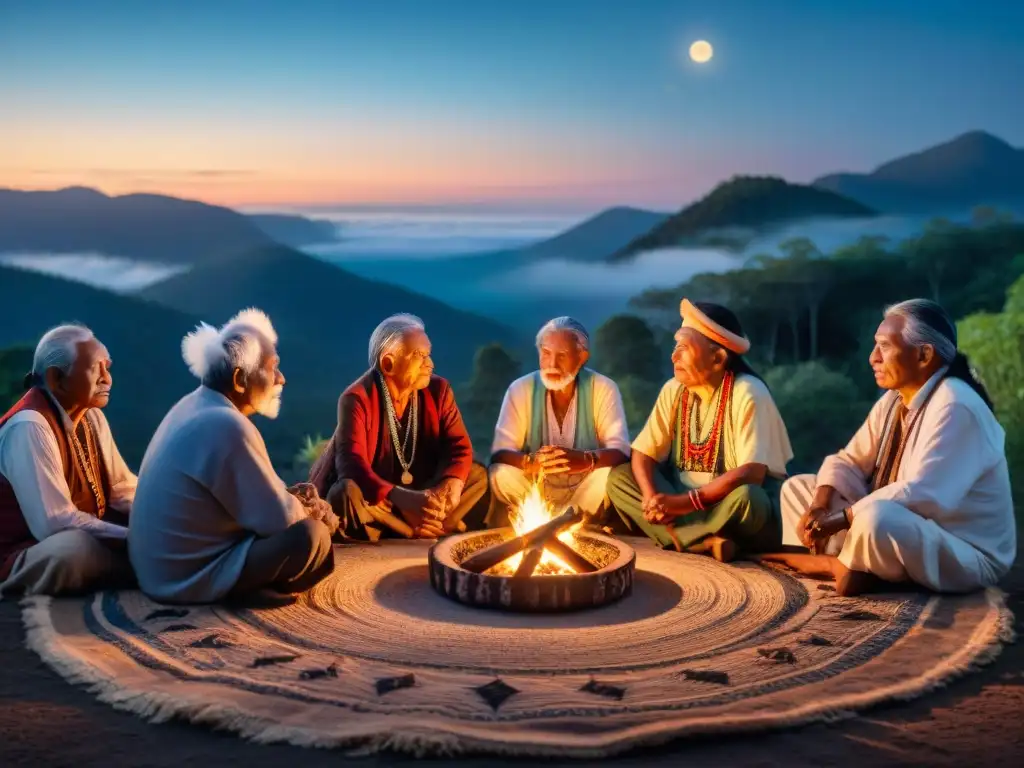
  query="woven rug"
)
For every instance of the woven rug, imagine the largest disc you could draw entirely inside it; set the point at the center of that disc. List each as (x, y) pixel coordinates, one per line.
(373, 659)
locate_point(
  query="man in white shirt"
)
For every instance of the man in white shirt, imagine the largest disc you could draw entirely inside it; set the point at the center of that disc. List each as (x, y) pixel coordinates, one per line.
(211, 517)
(922, 491)
(706, 468)
(65, 491)
(563, 423)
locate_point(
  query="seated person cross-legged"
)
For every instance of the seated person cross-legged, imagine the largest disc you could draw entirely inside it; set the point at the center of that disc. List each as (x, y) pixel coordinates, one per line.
(212, 520)
(705, 471)
(400, 461)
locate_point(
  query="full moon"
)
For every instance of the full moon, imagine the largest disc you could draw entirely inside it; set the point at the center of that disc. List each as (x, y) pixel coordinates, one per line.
(701, 51)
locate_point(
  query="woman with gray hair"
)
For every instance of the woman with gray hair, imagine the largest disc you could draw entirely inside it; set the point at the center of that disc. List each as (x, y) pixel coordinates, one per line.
(922, 491)
(400, 462)
(65, 491)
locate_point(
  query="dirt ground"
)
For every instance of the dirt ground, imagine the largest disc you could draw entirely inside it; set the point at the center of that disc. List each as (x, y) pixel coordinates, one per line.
(976, 721)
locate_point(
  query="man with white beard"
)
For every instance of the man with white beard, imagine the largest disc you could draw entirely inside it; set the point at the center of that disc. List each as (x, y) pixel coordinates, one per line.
(211, 518)
(564, 424)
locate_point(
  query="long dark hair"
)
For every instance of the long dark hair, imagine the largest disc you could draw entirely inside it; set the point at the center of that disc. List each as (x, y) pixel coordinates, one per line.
(926, 322)
(735, 363)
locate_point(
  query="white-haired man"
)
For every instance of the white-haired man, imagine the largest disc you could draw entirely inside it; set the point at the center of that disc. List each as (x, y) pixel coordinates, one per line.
(212, 520)
(922, 491)
(400, 462)
(65, 491)
(562, 425)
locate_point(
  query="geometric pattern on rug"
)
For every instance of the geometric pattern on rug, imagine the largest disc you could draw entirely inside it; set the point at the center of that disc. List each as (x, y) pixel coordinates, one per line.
(373, 659)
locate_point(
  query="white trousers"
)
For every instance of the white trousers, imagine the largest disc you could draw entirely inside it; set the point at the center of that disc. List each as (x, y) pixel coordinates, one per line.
(68, 562)
(509, 485)
(892, 542)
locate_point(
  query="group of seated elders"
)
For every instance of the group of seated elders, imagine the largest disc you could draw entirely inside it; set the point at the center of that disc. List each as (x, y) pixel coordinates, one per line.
(706, 469)
(920, 494)
(65, 491)
(922, 491)
(400, 461)
(563, 425)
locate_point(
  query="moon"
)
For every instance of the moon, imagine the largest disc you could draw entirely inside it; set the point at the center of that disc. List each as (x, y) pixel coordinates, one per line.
(701, 51)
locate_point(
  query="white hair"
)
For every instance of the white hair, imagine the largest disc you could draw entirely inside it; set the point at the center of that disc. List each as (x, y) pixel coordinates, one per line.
(389, 334)
(213, 354)
(922, 324)
(565, 323)
(59, 348)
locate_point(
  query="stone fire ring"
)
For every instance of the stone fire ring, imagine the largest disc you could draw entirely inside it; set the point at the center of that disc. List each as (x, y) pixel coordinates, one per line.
(534, 594)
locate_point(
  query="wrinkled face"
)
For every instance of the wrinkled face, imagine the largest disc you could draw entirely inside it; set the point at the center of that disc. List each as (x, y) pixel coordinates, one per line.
(561, 358)
(87, 384)
(896, 364)
(696, 362)
(263, 389)
(408, 365)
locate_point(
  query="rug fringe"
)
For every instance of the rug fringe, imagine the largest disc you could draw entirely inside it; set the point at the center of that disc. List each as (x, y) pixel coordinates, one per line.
(160, 707)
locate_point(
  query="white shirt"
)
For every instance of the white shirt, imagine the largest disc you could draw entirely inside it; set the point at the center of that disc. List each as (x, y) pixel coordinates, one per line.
(30, 460)
(953, 469)
(754, 432)
(513, 425)
(565, 435)
(207, 489)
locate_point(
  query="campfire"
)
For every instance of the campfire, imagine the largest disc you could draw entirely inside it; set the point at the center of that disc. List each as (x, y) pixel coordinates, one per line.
(543, 562)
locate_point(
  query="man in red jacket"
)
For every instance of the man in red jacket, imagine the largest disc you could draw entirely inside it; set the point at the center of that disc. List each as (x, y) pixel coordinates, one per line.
(400, 461)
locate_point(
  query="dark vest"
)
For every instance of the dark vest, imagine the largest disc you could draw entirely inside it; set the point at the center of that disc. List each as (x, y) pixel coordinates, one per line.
(14, 533)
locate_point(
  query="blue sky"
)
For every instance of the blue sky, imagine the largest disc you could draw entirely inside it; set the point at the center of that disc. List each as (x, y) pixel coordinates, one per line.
(577, 102)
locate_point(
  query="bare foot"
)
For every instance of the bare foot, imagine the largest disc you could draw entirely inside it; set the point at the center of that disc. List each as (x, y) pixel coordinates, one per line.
(720, 548)
(818, 566)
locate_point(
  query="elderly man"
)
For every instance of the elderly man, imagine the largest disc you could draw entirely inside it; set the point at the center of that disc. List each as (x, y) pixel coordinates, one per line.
(212, 519)
(707, 466)
(400, 462)
(922, 491)
(65, 491)
(563, 424)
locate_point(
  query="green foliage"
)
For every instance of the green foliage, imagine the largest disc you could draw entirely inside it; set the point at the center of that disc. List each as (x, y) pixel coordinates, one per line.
(624, 345)
(638, 398)
(995, 345)
(14, 364)
(311, 449)
(480, 398)
(822, 409)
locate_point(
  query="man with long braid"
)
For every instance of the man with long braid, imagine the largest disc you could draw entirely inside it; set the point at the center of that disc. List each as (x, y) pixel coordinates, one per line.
(705, 471)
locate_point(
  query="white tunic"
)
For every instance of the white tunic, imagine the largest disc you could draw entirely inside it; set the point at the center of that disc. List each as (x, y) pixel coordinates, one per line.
(954, 479)
(30, 460)
(514, 419)
(206, 490)
(754, 432)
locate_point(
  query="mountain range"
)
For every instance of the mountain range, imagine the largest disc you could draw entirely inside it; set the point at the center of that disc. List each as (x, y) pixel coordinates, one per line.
(975, 168)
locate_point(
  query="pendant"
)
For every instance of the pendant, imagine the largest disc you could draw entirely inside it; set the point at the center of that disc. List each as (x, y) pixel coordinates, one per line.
(406, 477)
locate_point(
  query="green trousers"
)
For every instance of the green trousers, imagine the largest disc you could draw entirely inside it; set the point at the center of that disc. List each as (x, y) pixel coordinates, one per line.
(749, 515)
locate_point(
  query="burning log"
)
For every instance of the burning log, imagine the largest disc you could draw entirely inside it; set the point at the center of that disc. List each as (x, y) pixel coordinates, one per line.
(569, 556)
(529, 562)
(538, 537)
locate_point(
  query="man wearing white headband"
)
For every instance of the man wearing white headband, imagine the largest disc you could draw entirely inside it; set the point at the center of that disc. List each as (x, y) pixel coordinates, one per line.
(563, 423)
(400, 462)
(212, 519)
(706, 469)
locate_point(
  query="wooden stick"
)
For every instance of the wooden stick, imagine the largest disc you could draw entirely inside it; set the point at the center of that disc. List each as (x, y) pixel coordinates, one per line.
(529, 562)
(503, 550)
(569, 556)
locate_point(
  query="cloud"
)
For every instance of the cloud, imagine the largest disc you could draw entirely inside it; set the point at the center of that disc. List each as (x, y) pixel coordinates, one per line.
(95, 269)
(134, 173)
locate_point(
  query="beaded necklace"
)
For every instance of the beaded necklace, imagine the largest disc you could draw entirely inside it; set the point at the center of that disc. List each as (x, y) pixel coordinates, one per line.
(412, 428)
(694, 453)
(86, 457)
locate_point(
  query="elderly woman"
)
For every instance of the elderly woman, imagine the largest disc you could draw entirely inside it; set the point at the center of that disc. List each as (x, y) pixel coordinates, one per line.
(706, 469)
(400, 462)
(65, 491)
(563, 423)
(922, 492)
(212, 519)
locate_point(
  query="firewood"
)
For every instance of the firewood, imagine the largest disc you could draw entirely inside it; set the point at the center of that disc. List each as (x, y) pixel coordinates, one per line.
(529, 562)
(497, 553)
(569, 556)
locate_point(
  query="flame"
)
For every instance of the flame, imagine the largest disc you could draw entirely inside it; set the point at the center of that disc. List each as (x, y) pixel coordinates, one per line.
(532, 512)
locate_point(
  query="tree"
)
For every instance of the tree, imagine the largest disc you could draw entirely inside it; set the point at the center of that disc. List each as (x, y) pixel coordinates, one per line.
(624, 345)
(638, 398)
(480, 398)
(14, 364)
